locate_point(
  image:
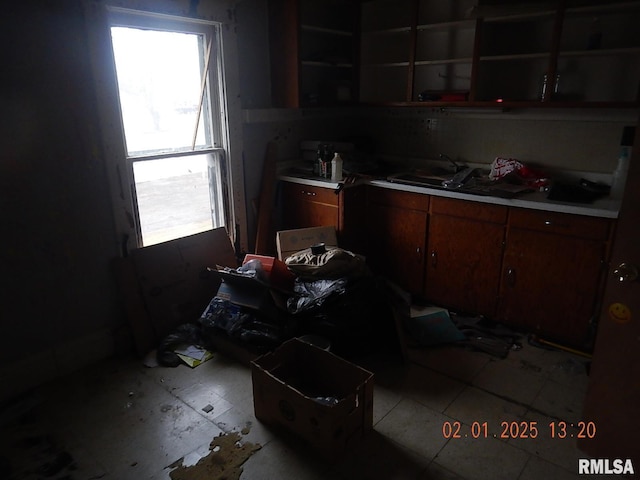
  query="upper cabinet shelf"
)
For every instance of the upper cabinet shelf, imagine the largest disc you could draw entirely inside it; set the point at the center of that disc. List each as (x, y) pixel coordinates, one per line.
(542, 53)
(314, 52)
(474, 52)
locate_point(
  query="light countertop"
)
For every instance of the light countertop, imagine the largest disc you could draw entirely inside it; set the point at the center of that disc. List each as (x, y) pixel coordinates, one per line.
(605, 207)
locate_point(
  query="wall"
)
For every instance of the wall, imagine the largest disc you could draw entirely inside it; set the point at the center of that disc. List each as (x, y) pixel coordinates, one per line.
(58, 305)
(577, 139)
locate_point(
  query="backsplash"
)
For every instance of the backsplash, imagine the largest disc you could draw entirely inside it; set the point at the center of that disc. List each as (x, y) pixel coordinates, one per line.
(583, 140)
(576, 140)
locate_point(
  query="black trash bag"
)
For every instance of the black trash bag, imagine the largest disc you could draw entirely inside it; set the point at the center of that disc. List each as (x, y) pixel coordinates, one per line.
(187, 334)
(312, 294)
(358, 321)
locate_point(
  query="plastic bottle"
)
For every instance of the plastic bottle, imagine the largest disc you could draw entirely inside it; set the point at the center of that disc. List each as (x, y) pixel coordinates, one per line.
(620, 173)
(336, 168)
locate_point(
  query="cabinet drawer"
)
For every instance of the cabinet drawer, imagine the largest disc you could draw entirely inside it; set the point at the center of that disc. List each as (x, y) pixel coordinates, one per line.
(398, 198)
(561, 223)
(297, 192)
(482, 212)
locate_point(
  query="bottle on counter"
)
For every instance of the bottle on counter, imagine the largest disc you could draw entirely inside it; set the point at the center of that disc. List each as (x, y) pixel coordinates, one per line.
(325, 155)
(620, 174)
(619, 178)
(336, 168)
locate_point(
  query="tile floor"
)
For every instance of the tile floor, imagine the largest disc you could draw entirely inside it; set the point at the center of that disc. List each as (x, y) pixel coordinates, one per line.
(120, 420)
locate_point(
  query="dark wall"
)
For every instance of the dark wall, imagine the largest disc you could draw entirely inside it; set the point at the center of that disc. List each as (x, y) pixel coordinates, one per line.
(57, 225)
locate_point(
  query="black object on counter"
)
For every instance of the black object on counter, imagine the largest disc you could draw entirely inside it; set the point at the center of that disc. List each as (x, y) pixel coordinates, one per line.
(583, 192)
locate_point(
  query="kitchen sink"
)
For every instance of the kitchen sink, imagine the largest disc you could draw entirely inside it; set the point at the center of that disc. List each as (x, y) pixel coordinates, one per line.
(466, 181)
(420, 180)
(449, 181)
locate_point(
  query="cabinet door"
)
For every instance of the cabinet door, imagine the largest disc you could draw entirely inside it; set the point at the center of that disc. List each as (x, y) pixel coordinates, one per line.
(463, 264)
(396, 235)
(550, 284)
(396, 244)
(306, 206)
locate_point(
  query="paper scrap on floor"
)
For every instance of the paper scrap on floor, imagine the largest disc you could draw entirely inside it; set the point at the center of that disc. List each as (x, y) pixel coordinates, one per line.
(193, 355)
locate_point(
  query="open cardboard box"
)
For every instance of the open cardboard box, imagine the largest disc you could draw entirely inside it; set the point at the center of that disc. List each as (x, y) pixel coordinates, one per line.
(289, 385)
(289, 242)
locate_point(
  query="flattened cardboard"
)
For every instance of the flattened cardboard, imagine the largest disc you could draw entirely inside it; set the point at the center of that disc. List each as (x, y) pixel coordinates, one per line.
(172, 284)
(289, 242)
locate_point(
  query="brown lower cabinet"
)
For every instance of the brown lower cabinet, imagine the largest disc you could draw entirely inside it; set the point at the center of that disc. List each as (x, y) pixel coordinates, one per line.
(311, 206)
(396, 236)
(552, 274)
(464, 255)
(536, 270)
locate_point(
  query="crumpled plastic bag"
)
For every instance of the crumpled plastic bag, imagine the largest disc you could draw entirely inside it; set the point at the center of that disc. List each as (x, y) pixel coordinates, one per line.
(501, 167)
(313, 293)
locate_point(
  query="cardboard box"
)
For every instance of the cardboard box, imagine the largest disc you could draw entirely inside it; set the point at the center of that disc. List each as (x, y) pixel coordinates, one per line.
(289, 385)
(289, 242)
(168, 284)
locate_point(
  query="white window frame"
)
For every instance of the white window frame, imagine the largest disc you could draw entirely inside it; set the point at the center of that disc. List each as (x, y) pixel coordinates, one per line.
(226, 116)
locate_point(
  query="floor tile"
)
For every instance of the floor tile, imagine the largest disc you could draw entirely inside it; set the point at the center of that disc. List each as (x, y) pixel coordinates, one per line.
(475, 405)
(455, 362)
(562, 452)
(384, 400)
(560, 401)
(121, 420)
(246, 423)
(515, 383)
(415, 426)
(570, 371)
(482, 458)
(284, 457)
(537, 468)
(380, 457)
(437, 472)
(429, 388)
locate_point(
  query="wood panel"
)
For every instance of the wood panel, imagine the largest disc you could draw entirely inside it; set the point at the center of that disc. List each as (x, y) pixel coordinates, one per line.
(561, 223)
(550, 284)
(463, 263)
(395, 247)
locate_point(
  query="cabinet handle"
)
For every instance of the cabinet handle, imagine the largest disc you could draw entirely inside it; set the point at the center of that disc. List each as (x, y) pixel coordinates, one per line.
(419, 252)
(550, 223)
(434, 258)
(311, 194)
(511, 277)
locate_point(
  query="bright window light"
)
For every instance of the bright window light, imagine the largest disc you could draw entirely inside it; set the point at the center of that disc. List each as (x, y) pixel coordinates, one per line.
(165, 89)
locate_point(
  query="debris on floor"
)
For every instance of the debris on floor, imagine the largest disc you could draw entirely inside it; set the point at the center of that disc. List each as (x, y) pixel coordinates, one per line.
(487, 336)
(224, 461)
(29, 451)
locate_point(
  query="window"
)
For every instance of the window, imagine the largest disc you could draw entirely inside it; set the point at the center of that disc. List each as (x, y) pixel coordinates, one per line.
(170, 88)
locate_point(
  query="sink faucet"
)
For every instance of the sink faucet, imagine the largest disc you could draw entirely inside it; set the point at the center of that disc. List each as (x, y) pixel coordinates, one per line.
(456, 167)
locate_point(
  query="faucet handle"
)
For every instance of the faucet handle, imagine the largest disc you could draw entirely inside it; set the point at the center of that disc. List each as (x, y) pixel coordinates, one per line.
(457, 168)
